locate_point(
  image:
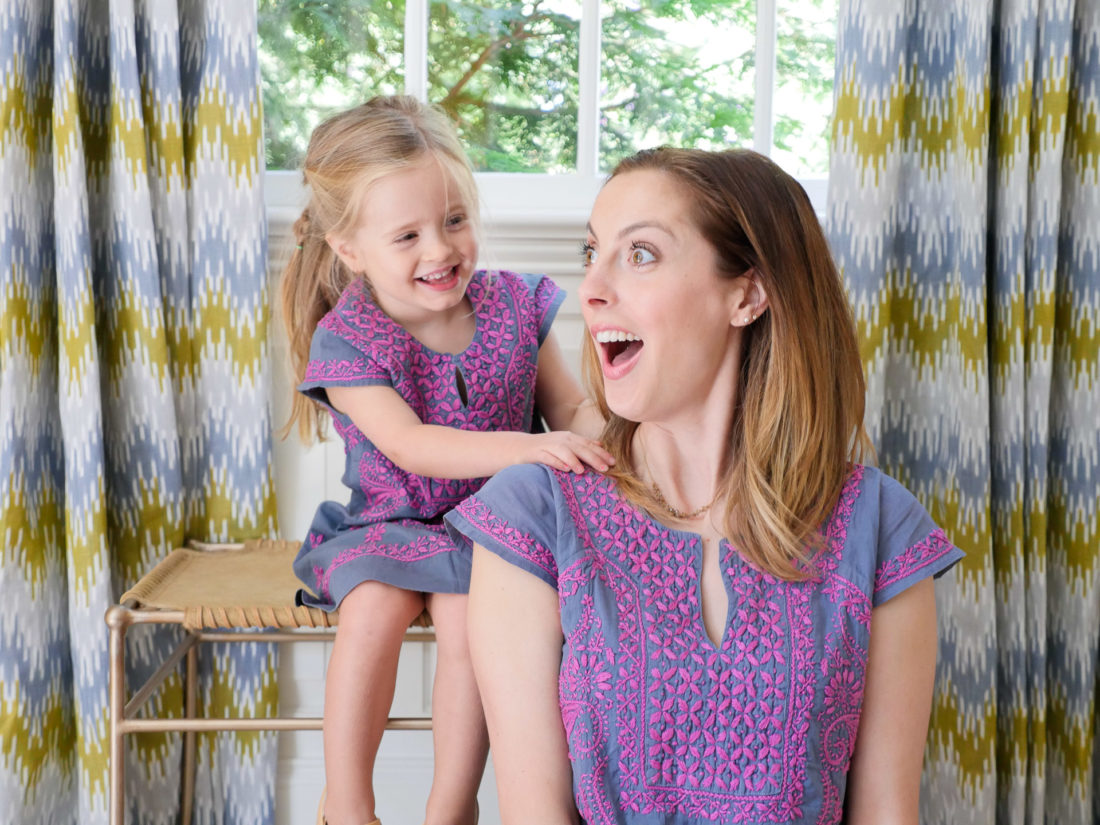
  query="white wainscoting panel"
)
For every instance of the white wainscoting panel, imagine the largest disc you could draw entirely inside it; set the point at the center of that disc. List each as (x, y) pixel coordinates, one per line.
(305, 475)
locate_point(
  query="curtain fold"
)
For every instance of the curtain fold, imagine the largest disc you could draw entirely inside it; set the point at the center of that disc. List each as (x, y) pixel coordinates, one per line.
(133, 384)
(964, 211)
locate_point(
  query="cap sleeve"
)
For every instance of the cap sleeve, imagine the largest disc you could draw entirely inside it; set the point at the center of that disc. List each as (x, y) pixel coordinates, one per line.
(547, 299)
(910, 545)
(514, 515)
(335, 361)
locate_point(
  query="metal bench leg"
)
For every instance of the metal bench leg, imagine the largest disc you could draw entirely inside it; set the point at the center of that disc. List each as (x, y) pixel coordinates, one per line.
(118, 621)
(191, 689)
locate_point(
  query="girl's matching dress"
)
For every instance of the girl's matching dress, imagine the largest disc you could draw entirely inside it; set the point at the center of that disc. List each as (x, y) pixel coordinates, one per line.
(391, 530)
(664, 725)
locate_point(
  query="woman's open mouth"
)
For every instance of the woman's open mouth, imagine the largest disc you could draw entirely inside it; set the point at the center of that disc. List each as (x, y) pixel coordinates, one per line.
(619, 350)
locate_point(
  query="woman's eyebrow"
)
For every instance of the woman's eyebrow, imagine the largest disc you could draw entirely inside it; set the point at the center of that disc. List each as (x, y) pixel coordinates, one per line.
(626, 230)
(634, 227)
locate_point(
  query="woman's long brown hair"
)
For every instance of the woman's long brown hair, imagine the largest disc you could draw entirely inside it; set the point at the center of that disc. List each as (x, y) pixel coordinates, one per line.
(798, 419)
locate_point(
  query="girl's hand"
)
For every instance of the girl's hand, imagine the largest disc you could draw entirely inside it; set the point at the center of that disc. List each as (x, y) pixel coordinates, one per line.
(567, 451)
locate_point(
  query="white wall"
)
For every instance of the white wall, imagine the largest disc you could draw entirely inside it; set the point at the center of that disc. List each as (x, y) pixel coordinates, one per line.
(547, 242)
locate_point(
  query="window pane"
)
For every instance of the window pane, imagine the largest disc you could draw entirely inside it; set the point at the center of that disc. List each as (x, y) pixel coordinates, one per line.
(319, 56)
(804, 58)
(507, 73)
(676, 73)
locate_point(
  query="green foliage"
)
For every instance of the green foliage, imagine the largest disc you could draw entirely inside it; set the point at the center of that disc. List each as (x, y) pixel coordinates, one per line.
(320, 56)
(507, 72)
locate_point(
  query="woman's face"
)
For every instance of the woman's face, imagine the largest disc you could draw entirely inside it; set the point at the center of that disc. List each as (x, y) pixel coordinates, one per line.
(661, 317)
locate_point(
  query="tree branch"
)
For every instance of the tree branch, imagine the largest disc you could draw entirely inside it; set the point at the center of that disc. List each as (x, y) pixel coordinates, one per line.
(518, 34)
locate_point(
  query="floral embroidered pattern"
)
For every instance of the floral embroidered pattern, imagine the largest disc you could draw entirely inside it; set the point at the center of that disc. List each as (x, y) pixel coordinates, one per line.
(917, 557)
(519, 542)
(372, 544)
(394, 514)
(661, 721)
(498, 371)
(718, 732)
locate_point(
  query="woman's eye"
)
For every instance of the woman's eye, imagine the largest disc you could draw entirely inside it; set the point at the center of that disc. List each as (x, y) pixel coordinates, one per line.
(640, 255)
(588, 254)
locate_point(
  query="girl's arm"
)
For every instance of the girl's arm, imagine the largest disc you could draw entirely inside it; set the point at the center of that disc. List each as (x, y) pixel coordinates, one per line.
(390, 423)
(884, 777)
(515, 647)
(560, 398)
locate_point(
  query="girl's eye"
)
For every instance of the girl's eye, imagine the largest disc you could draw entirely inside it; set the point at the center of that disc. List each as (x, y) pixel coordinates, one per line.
(455, 220)
(588, 253)
(408, 236)
(640, 255)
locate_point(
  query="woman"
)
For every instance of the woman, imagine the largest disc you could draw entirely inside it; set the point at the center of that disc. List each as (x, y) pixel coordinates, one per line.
(688, 638)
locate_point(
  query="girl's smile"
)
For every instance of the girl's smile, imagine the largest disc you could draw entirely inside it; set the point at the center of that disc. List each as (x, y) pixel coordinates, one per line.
(415, 243)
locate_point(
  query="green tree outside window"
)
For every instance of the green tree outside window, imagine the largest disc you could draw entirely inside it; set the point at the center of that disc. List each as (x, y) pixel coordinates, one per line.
(671, 71)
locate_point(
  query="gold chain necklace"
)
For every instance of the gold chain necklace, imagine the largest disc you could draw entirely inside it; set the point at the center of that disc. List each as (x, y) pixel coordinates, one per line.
(675, 512)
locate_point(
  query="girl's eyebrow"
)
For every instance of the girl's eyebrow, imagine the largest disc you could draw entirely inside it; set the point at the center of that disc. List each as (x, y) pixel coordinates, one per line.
(634, 227)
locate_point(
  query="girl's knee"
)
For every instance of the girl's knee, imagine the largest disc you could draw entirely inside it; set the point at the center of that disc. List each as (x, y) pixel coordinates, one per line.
(381, 605)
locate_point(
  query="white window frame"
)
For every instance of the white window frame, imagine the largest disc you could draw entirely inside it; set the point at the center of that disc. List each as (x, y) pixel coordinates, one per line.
(515, 199)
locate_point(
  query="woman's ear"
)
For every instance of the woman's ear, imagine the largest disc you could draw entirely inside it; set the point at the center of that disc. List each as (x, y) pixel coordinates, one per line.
(750, 301)
(345, 251)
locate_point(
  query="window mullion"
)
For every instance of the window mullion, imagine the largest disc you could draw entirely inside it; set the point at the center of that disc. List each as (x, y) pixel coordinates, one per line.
(763, 133)
(588, 115)
(416, 48)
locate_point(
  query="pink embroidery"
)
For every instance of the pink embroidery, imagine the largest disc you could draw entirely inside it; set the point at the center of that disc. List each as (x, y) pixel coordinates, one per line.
(371, 544)
(342, 370)
(920, 555)
(498, 371)
(520, 543)
(718, 733)
(661, 721)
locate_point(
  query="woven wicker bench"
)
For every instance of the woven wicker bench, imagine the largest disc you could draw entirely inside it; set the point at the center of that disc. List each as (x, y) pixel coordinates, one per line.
(215, 593)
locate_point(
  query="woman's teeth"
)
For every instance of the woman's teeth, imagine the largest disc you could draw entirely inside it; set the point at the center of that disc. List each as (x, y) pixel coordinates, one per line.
(607, 336)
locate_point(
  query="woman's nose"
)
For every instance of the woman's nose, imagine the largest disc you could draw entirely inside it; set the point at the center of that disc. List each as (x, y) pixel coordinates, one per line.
(594, 289)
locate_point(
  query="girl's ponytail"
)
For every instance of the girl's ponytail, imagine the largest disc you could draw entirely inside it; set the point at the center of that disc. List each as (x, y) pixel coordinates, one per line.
(311, 284)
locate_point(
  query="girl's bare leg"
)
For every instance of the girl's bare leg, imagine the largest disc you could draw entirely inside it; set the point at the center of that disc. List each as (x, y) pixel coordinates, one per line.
(359, 689)
(458, 723)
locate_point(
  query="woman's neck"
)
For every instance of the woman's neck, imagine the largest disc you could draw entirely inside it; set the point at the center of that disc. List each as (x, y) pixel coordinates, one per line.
(685, 465)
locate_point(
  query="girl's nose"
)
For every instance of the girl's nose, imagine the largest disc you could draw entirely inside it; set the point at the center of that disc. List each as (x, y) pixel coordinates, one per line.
(438, 246)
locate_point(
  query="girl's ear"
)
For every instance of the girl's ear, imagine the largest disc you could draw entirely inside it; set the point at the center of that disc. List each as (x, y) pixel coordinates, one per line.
(345, 251)
(748, 299)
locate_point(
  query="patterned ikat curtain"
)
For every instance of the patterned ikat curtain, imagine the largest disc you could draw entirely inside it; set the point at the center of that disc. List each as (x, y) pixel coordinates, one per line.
(133, 382)
(964, 209)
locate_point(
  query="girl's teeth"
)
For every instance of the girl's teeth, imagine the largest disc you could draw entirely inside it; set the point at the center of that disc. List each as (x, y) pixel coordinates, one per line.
(438, 276)
(607, 336)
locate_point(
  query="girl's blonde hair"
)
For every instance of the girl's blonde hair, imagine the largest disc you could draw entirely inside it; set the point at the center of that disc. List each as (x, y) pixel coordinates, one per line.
(798, 419)
(347, 154)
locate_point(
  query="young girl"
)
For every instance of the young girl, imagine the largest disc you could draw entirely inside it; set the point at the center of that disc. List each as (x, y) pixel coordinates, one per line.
(431, 372)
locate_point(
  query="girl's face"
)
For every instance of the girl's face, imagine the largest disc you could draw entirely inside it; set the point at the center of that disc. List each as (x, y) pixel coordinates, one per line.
(414, 242)
(665, 324)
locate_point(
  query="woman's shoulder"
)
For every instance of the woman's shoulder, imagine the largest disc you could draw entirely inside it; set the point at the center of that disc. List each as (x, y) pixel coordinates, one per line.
(520, 483)
(882, 492)
(889, 534)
